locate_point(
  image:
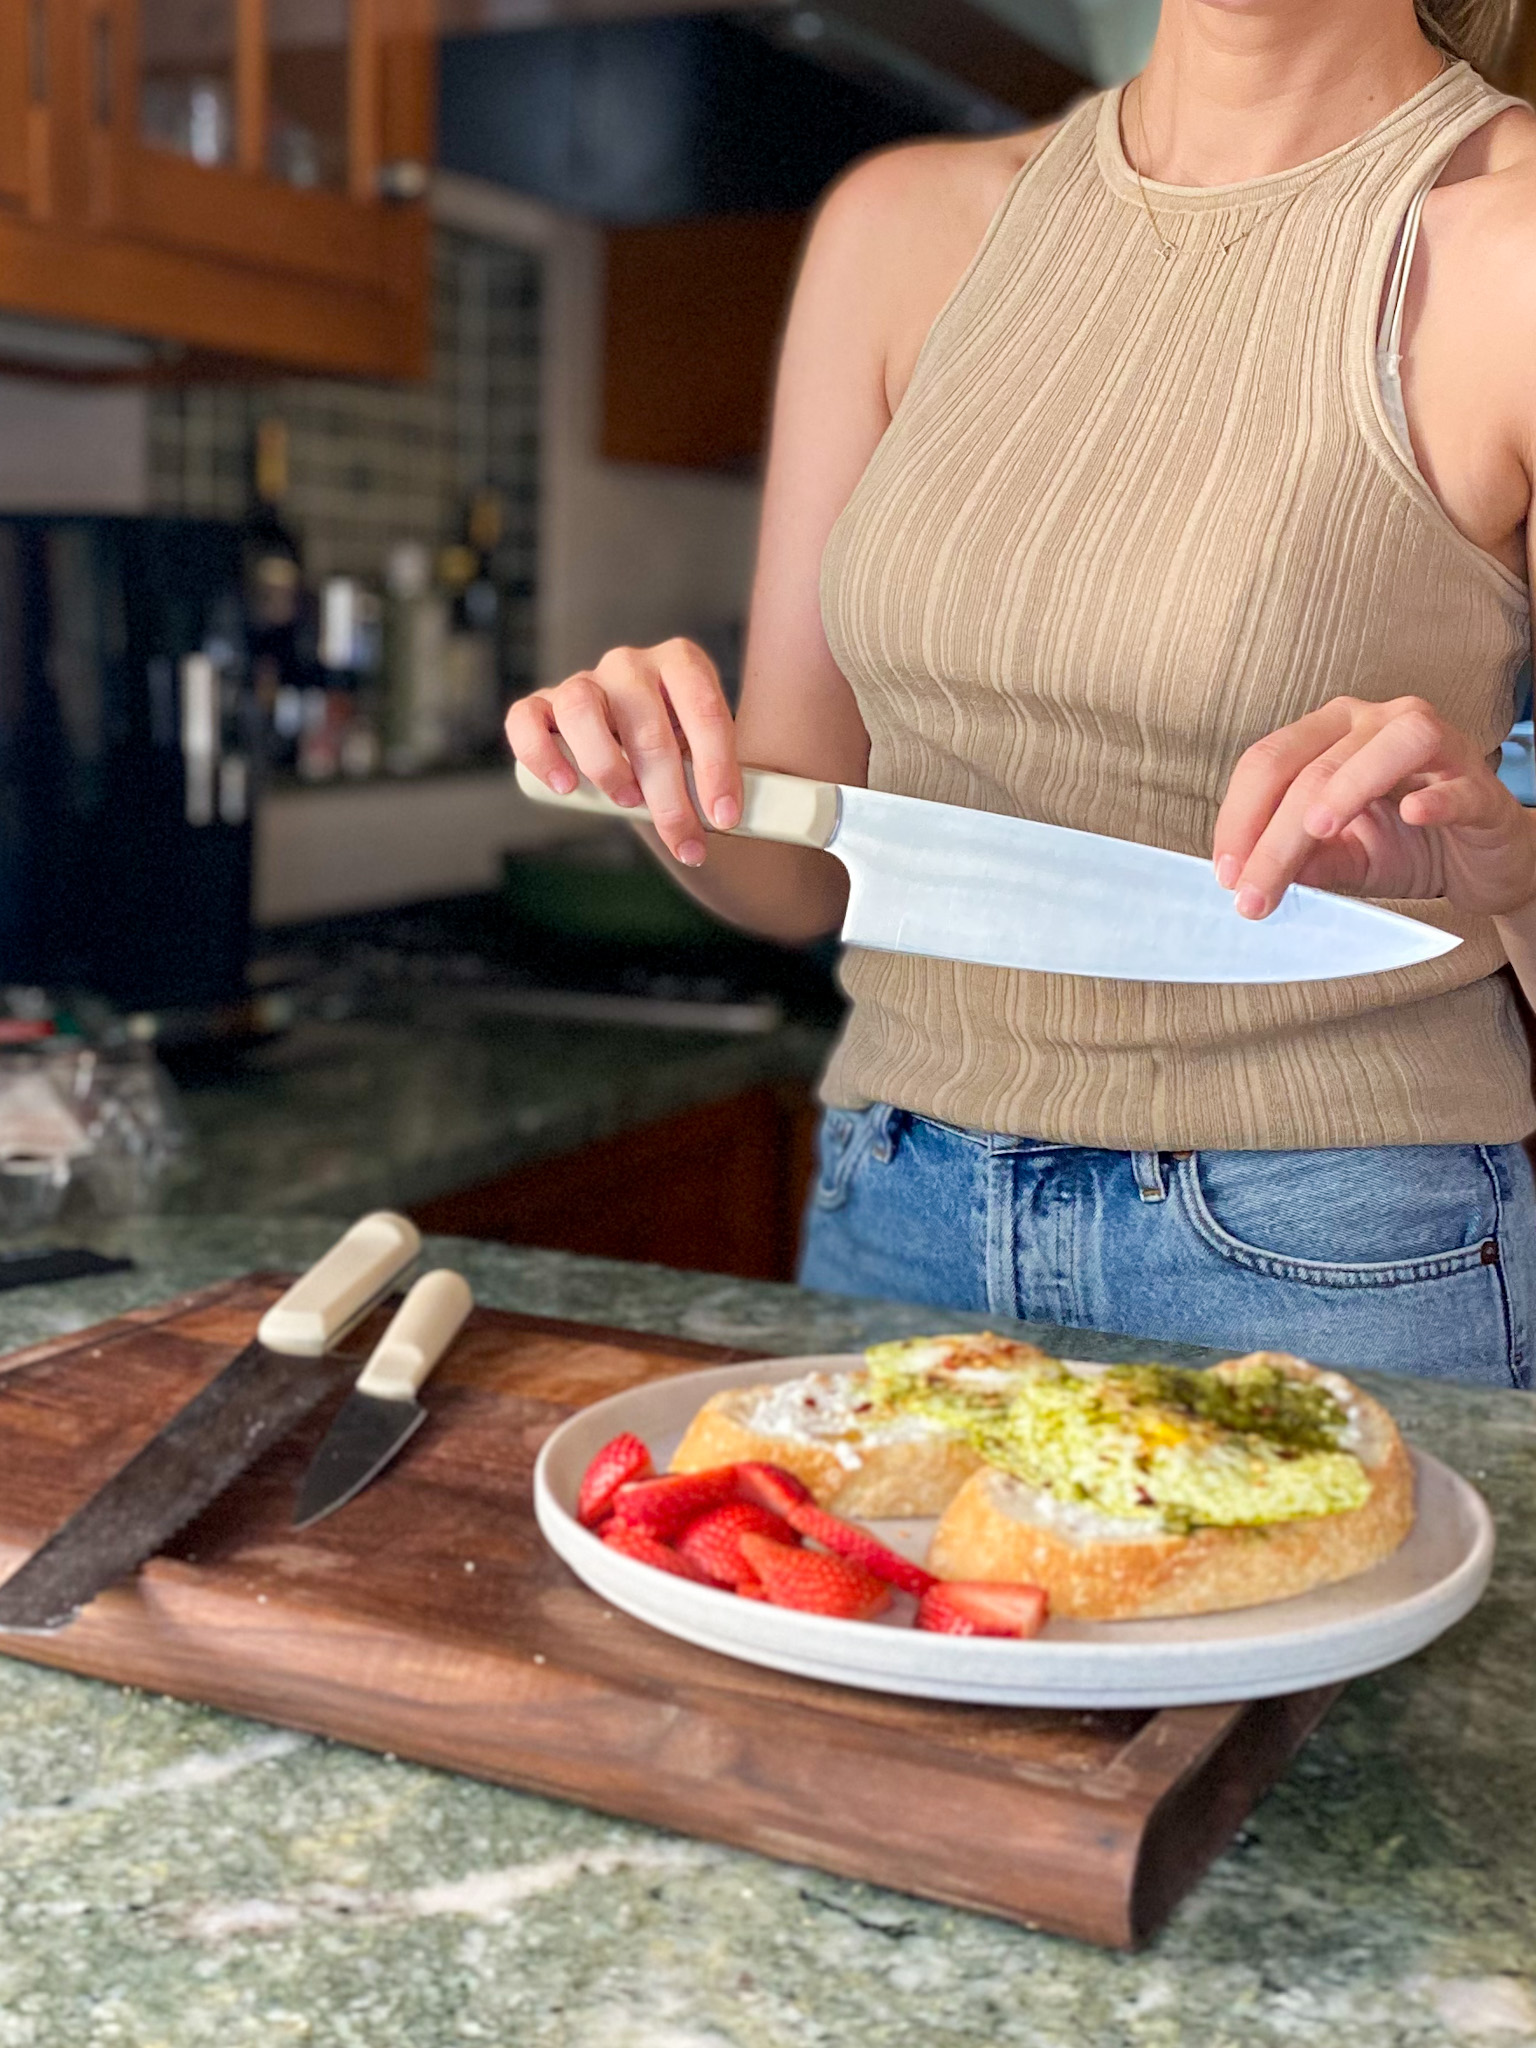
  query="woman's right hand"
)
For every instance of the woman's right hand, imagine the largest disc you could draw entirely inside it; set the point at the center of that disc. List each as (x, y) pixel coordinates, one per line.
(628, 725)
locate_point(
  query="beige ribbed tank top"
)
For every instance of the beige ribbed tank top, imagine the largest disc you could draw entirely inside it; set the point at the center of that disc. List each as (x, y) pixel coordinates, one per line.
(1132, 515)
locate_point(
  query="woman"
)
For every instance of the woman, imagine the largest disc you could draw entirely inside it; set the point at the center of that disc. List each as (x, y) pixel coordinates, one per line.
(1163, 473)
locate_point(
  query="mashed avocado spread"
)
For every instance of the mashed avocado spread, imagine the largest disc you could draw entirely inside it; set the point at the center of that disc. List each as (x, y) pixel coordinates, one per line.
(1171, 1446)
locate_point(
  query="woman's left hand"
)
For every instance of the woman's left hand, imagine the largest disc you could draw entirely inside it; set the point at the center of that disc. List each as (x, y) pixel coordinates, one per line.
(1378, 800)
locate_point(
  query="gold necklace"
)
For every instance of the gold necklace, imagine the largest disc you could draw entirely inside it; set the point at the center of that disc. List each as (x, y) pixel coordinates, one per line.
(1168, 249)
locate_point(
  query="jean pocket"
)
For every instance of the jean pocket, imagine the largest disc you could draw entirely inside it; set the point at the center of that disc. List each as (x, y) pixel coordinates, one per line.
(1382, 1217)
(849, 1138)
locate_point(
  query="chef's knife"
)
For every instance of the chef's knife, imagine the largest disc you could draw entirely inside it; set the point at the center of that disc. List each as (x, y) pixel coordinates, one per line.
(960, 884)
(258, 1397)
(381, 1414)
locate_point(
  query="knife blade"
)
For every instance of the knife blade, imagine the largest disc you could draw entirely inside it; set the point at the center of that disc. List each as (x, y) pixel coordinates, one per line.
(997, 891)
(258, 1397)
(381, 1414)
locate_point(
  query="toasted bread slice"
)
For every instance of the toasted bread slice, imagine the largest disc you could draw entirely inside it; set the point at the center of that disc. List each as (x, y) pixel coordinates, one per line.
(1096, 1567)
(822, 1427)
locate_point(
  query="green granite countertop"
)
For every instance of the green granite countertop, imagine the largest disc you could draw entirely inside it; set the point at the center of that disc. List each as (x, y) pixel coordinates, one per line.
(171, 1877)
(448, 1091)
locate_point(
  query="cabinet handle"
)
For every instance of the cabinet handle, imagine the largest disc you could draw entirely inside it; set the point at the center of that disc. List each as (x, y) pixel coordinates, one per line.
(404, 178)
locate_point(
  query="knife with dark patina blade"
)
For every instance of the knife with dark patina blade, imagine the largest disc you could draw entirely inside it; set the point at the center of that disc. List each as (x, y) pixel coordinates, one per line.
(258, 1397)
(382, 1414)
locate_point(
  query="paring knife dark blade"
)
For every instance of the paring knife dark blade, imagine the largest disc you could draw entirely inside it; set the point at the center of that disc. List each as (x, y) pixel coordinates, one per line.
(381, 1414)
(258, 1397)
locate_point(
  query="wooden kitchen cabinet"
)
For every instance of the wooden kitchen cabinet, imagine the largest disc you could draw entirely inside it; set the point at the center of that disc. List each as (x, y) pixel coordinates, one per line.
(691, 333)
(222, 174)
(715, 1189)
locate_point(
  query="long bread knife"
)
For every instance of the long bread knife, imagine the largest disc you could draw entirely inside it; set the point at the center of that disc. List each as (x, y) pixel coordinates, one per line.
(254, 1402)
(979, 886)
(381, 1414)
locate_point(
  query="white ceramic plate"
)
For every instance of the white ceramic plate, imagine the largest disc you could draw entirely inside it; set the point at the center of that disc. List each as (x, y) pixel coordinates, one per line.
(1337, 1632)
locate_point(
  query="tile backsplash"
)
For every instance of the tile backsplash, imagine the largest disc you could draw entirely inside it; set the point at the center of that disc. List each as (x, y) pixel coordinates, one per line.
(371, 464)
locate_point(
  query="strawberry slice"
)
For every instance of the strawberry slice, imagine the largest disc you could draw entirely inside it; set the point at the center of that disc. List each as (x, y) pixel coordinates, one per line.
(771, 1487)
(813, 1582)
(646, 1549)
(713, 1542)
(664, 1507)
(617, 1463)
(845, 1539)
(966, 1607)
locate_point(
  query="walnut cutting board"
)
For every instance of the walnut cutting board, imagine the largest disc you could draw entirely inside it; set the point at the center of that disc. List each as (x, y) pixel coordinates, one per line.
(370, 1628)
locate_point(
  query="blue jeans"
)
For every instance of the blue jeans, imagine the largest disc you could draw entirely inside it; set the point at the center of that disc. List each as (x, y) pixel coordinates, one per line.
(1415, 1258)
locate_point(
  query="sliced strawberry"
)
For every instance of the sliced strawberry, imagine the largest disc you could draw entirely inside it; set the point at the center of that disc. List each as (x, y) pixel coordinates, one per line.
(846, 1539)
(713, 1542)
(625, 1459)
(771, 1487)
(964, 1607)
(664, 1507)
(813, 1582)
(749, 1589)
(646, 1549)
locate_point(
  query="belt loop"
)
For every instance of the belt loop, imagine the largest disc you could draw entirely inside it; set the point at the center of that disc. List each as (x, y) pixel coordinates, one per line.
(1148, 1169)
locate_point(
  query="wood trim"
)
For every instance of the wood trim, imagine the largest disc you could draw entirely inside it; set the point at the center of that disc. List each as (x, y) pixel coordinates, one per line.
(363, 81)
(407, 81)
(68, 196)
(327, 235)
(252, 87)
(15, 73)
(293, 322)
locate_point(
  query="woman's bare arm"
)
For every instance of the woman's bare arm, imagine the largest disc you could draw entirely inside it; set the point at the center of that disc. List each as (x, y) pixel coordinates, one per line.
(888, 245)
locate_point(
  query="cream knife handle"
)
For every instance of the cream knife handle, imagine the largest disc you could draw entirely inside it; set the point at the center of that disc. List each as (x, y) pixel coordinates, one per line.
(787, 808)
(427, 1322)
(341, 1287)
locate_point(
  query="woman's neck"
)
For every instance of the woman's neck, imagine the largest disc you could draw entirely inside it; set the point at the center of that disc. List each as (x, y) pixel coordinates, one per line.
(1237, 89)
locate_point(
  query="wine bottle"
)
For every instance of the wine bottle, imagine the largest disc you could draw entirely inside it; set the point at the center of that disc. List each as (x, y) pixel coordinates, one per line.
(272, 575)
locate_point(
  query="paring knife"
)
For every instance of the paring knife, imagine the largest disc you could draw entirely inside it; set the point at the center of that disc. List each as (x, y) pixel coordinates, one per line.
(960, 884)
(258, 1397)
(381, 1414)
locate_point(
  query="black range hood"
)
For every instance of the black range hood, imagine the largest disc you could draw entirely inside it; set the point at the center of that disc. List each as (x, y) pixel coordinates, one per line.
(626, 113)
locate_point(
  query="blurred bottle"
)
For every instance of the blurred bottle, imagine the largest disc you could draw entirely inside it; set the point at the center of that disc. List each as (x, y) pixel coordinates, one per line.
(272, 576)
(340, 732)
(417, 727)
(466, 573)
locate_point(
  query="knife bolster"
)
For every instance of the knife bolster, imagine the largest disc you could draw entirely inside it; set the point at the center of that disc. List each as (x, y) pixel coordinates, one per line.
(788, 808)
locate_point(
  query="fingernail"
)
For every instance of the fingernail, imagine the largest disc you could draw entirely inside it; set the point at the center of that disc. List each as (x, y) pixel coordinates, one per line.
(1320, 823)
(1228, 870)
(691, 854)
(630, 797)
(727, 813)
(1250, 903)
(562, 782)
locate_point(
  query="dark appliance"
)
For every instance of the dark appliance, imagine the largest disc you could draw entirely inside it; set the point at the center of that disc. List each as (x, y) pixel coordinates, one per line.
(126, 750)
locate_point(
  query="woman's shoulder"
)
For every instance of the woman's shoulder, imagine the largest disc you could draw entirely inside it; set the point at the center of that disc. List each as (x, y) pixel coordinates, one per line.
(897, 232)
(942, 190)
(1485, 213)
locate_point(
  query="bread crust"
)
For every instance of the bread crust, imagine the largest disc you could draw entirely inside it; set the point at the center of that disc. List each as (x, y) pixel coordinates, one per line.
(995, 1528)
(914, 1477)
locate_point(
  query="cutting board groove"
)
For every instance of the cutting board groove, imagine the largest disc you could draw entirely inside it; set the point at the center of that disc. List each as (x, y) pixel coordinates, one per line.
(428, 1619)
